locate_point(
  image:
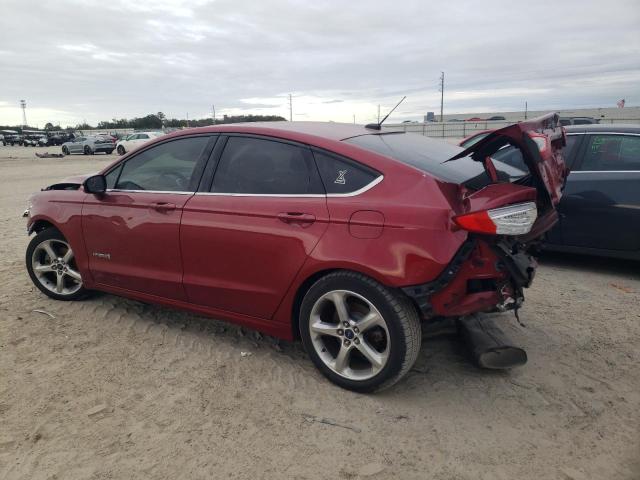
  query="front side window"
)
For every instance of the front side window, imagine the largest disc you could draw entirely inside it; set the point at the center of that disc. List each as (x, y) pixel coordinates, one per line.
(112, 177)
(167, 167)
(612, 153)
(265, 167)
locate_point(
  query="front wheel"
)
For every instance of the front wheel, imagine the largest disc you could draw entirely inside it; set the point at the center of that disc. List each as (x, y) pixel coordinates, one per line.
(87, 150)
(65, 150)
(360, 334)
(52, 266)
(120, 150)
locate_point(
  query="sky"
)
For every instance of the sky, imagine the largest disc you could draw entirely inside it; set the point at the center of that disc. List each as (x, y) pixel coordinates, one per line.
(82, 60)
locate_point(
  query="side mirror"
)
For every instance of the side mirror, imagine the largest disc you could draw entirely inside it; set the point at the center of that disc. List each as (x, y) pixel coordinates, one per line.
(96, 184)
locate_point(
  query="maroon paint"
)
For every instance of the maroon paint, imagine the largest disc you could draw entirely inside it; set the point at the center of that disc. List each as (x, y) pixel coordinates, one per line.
(246, 258)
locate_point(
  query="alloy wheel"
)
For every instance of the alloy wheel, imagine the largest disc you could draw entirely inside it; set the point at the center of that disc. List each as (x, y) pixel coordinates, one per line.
(53, 264)
(349, 334)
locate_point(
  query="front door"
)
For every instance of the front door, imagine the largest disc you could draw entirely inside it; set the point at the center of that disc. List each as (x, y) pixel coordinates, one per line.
(246, 237)
(76, 145)
(132, 232)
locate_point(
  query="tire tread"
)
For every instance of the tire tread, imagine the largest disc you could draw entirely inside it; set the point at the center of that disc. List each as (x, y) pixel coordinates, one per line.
(406, 314)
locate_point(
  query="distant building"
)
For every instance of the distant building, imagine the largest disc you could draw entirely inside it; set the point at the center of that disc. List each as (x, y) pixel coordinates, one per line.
(430, 117)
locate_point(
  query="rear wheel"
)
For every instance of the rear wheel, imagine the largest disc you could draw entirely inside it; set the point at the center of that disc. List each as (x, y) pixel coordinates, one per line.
(52, 266)
(120, 150)
(361, 335)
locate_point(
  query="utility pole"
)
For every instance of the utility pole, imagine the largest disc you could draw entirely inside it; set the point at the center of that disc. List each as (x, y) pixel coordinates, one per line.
(23, 105)
(213, 108)
(354, 118)
(526, 107)
(290, 108)
(441, 96)
(187, 119)
(378, 114)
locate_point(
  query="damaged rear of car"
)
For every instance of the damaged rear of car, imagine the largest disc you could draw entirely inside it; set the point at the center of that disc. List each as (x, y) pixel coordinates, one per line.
(505, 211)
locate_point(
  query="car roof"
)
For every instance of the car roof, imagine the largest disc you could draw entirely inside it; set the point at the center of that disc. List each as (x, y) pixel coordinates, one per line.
(603, 128)
(298, 130)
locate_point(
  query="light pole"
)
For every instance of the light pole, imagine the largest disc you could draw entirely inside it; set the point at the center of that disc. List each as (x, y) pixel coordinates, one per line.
(23, 105)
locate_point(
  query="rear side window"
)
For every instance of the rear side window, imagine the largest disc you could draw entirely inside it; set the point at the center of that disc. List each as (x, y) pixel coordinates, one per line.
(340, 175)
(612, 153)
(167, 167)
(264, 167)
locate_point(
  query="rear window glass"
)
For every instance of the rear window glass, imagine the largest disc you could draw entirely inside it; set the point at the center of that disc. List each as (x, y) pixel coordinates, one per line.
(430, 156)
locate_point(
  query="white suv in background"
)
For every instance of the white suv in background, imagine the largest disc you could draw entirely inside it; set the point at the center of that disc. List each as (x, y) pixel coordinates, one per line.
(134, 140)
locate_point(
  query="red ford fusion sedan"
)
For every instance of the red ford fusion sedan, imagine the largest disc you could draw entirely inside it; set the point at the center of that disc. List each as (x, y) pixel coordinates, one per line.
(347, 237)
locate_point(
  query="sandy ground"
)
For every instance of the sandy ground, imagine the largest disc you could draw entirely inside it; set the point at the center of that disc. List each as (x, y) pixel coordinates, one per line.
(112, 388)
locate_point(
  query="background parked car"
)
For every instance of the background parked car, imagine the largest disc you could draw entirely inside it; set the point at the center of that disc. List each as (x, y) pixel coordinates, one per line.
(135, 140)
(88, 145)
(578, 121)
(600, 209)
(13, 139)
(57, 137)
(9, 137)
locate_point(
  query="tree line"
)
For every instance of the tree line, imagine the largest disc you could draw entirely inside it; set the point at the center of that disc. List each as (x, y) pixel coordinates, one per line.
(156, 121)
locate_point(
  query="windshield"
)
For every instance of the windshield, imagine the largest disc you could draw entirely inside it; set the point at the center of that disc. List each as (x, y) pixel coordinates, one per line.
(430, 156)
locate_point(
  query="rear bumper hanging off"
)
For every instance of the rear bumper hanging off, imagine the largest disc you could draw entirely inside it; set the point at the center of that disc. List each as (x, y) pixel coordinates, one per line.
(481, 277)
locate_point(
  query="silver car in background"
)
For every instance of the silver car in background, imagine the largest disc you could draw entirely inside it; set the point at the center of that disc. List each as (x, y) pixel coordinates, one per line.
(89, 145)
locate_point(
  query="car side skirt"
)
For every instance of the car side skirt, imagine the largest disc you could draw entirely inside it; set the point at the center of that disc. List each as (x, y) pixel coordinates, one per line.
(268, 327)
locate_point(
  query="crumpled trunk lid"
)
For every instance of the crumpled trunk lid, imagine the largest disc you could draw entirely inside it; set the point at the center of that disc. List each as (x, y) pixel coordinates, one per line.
(540, 142)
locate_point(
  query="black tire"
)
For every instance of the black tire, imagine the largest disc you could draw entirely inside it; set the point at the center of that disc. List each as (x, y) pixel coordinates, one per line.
(44, 236)
(121, 150)
(400, 317)
(87, 150)
(109, 152)
(65, 150)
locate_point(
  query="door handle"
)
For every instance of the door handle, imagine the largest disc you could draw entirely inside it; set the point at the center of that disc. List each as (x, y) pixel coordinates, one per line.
(296, 217)
(163, 206)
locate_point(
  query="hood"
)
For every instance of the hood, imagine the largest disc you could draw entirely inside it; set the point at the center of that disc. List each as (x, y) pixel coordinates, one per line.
(70, 183)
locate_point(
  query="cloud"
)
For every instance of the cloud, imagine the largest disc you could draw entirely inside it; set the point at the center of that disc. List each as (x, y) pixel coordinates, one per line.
(100, 60)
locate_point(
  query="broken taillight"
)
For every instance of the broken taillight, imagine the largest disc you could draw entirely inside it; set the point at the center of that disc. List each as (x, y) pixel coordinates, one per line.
(510, 220)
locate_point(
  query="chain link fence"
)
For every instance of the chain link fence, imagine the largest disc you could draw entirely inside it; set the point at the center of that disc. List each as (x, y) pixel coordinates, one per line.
(464, 129)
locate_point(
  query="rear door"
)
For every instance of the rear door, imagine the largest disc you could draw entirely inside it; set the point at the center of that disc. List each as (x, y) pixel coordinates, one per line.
(245, 235)
(601, 203)
(132, 233)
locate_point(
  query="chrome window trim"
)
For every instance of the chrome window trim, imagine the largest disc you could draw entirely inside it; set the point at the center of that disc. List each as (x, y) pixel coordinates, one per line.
(605, 171)
(368, 186)
(603, 133)
(117, 190)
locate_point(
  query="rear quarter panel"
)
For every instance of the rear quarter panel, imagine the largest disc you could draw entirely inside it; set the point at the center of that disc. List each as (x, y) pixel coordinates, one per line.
(417, 242)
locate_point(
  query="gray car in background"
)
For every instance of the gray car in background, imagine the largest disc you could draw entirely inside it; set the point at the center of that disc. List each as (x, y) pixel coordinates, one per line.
(89, 145)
